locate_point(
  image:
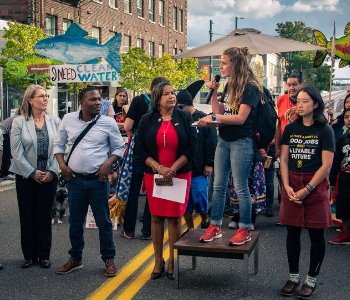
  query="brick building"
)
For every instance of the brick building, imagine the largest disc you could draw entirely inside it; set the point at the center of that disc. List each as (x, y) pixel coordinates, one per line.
(157, 26)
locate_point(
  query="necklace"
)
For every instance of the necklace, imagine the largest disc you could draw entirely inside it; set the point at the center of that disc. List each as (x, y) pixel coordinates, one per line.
(164, 132)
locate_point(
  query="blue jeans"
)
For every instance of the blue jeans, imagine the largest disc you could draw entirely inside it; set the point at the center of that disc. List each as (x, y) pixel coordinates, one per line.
(81, 193)
(270, 187)
(133, 201)
(236, 156)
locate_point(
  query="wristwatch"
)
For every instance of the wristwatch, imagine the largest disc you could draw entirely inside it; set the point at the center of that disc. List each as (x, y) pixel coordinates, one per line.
(310, 187)
(213, 117)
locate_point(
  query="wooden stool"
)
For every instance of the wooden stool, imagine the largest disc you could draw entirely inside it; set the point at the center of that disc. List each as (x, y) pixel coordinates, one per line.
(189, 245)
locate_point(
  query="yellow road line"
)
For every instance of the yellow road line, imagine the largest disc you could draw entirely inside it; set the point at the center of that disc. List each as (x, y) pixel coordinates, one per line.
(129, 269)
(133, 287)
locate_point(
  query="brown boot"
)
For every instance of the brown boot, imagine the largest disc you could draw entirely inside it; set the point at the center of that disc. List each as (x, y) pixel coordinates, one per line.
(110, 268)
(70, 266)
(289, 288)
(1, 266)
(306, 291)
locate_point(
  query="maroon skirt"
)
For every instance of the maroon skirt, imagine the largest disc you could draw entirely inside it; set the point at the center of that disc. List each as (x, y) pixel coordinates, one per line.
(315, 210)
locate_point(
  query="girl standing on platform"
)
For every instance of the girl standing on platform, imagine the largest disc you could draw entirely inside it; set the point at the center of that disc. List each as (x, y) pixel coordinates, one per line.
(235, 148)
(307, 152)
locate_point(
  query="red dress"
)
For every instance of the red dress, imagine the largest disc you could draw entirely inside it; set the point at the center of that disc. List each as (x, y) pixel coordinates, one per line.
(166, 157)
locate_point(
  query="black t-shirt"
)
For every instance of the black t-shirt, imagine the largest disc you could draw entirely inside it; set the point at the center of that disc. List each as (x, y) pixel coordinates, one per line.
(230, 133)
(306, 144)
(137, 109)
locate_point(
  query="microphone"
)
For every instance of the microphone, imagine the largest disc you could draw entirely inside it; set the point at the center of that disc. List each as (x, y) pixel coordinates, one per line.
(217, 79)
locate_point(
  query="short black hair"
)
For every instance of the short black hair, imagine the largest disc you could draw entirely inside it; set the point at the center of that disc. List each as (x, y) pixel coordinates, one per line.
(84, 91)
(158, 80)
(295, 76)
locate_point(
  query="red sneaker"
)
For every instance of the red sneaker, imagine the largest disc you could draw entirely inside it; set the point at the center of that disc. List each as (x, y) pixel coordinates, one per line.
(342, 239)
(211, 233)
(241, 237)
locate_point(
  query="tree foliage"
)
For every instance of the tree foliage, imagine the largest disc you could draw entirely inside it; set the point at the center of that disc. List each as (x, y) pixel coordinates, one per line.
(302, 61)
(138, 70)
(19, 46)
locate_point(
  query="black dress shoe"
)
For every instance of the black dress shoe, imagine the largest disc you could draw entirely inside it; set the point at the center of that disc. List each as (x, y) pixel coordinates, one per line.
(269, 214)
(306, 291)
(27, 263)
(289, 288)
(45, 263)
(155, 276)
(170, 276)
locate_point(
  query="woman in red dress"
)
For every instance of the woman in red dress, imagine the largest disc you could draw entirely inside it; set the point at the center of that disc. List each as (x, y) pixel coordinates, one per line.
(166, 142)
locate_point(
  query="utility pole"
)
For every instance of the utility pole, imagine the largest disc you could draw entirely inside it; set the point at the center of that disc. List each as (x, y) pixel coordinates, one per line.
(237, 21)
(210, 39)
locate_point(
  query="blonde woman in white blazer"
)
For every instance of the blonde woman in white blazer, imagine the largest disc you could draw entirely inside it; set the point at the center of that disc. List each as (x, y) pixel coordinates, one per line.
(36, 172)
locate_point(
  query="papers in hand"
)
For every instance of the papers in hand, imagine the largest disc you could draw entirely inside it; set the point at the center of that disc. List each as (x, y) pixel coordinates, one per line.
(176, 192)
(209, 124)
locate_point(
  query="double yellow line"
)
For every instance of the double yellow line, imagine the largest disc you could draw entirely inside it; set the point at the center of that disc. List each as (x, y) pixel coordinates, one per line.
(110, 286)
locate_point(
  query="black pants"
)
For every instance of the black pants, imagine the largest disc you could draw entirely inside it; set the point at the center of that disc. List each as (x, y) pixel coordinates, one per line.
(6, 156)
(35, 203)
(317, 251)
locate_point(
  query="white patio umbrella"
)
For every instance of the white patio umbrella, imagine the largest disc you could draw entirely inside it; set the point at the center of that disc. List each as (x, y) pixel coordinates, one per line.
(256, 42)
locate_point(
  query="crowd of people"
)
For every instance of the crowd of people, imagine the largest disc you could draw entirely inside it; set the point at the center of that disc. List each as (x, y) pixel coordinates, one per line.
(174, 145)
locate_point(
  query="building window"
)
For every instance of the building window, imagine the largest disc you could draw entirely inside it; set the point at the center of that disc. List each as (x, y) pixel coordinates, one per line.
(127, 6)
(140, 8)
(96, 33)
(151, 10)
(175, 18)
(111, 34)
(66, 24)
(113, 3)
(181, 20)
(174, 51)
(161, 12)
(139, 43)
(50, 25)
(160, 50)
(127, 43)
(151, 48)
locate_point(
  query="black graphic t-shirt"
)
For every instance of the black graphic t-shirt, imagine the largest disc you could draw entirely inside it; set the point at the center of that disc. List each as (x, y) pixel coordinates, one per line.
(230, 133)
(306, 144)
(341, 164)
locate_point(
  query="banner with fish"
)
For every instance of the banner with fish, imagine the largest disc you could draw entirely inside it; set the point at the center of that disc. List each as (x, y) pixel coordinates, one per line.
(82, 73)
(341, 48)
(74, 47)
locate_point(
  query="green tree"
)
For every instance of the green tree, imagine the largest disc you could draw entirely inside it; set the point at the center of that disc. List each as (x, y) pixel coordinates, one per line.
(19, 47)
(302, 61)
(135, 70)
(138, 70)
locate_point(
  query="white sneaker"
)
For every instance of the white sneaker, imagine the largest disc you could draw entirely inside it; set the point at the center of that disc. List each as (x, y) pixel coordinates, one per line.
(232, 225)
(252, 228)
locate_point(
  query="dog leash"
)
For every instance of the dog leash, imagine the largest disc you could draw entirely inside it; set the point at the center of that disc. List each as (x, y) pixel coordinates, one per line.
(8, 195)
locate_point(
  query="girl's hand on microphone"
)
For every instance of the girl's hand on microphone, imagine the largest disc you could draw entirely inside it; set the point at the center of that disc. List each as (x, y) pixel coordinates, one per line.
(214, 85)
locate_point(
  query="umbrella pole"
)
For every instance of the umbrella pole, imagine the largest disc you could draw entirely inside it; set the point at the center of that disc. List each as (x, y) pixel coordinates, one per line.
(331, 76)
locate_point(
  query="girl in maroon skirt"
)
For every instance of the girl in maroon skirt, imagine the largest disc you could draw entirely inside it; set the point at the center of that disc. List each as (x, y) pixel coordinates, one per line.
(307, 152)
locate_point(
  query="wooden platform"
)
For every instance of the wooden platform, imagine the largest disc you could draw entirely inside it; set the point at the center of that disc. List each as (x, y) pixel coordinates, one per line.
(190, 245)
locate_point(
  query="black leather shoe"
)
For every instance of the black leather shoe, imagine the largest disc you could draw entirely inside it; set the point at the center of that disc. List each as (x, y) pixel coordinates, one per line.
(170, 276)
(27, 263)
(45, 263)
(155, 276)
(289, 288)
(269, 214)
(306, 291)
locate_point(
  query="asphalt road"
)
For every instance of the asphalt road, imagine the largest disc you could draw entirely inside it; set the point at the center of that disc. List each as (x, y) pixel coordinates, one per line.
(213, 278)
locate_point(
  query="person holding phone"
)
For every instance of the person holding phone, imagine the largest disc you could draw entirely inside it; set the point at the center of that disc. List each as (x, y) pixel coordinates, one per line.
(166, 143)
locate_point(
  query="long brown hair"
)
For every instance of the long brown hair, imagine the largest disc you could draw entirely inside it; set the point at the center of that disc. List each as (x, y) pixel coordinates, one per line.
(240, 75)
(26, 108)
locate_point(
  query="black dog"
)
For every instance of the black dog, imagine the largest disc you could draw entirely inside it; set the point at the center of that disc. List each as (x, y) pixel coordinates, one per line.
(60, 205)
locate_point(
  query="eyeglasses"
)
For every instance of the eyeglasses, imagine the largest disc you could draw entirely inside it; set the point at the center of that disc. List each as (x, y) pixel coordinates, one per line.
(292, 84)
(181, 106)
(42, 96)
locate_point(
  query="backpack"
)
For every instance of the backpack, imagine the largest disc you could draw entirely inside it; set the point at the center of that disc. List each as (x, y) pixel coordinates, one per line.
(265, 118)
